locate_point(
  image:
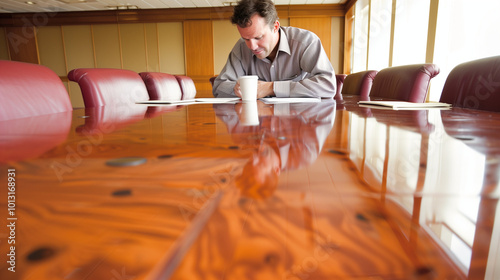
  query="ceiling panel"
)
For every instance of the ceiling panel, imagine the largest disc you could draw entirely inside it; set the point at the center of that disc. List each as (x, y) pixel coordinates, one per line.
(282, 2)
(170, 4)
(23, 6)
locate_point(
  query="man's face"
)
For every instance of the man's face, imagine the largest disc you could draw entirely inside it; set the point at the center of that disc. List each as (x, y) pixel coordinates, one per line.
(260, 37)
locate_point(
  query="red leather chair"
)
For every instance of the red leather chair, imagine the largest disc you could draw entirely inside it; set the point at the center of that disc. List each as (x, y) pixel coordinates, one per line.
(212, 79)
(35, 110)
(359, 83)
(340, 82)
(30, 90)
(474, 85)
(161, 86)
(105, 86)
(187, 87)
(405, 83)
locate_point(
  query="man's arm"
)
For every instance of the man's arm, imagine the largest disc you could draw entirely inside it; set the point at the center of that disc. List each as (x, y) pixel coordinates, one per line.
(225, 82)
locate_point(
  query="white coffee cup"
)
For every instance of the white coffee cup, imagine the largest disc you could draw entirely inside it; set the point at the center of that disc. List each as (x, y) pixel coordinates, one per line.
(249, 114)
(248, 87)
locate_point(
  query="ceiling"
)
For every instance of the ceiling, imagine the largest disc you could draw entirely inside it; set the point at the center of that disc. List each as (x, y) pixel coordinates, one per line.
(32, 6)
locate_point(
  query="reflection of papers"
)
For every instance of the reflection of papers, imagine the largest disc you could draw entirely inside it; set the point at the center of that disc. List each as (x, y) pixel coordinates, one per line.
(403, 105)
(217, 100)
(273, 100)
(191, 101)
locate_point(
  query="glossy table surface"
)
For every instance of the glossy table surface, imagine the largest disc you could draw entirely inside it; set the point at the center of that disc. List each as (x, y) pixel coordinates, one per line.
(327, 190)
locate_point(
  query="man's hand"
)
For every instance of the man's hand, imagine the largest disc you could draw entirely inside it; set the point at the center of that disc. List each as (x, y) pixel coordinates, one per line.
(263, 89)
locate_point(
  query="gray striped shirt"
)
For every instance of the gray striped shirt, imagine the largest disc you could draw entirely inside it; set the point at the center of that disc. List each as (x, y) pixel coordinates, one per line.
(301, 67)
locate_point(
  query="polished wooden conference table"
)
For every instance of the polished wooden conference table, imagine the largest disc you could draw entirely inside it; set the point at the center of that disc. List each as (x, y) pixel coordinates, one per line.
(327, 190)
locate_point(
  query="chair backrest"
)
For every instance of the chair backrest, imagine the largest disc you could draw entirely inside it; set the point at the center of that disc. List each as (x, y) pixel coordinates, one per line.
(359, 83)
(474, 85)
(406, 83)
(161, 86)
(340, 82)
(212, 79)
(105, 86)
(30, 90)
(187, 87)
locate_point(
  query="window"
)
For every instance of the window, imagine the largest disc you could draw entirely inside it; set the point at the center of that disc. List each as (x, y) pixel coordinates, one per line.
(466, 30)
(410, 32)
(360, 41)
(380, 34)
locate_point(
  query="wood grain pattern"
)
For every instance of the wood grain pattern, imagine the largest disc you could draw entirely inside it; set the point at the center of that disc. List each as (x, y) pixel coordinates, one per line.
(311, 231)
(22, 44)
(285, 199)
(157, 15)
(198, 46)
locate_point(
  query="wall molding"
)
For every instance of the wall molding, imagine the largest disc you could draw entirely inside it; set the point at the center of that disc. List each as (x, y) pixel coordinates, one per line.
(157, 15)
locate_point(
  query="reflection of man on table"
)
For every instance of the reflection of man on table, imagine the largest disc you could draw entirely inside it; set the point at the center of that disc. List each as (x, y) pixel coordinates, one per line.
(288, 136)
(290, 62)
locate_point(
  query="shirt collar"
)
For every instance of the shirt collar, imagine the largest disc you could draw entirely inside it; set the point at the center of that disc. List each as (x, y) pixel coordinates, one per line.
(284, 46)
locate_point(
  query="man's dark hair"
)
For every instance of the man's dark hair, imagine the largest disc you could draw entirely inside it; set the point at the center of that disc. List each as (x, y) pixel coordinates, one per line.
(247, 8)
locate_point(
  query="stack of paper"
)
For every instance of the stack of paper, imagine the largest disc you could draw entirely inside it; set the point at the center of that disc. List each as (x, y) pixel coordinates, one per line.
(403, 105)
(274, 100)
(191, 101)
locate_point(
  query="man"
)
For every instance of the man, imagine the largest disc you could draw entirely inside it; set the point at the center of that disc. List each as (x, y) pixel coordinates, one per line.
(290, 62)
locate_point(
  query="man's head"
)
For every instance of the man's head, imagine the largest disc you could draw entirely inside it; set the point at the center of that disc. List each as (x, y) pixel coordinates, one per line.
(257, 22)
(245, 9)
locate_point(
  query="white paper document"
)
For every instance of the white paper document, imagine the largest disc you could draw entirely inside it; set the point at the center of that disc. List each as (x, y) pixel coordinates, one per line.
(274, 100)
(403, 105)
(191, 101)
(218, 100)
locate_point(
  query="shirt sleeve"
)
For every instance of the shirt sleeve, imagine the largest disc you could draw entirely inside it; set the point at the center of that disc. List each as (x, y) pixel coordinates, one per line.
(319, 78)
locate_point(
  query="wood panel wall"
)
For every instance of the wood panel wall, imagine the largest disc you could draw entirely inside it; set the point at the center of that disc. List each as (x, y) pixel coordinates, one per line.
(22, 44)
(4, 50)
(198, 44)
(176, 41)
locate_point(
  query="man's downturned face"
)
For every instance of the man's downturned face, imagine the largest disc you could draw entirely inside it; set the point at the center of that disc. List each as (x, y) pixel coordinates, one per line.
(259, 37)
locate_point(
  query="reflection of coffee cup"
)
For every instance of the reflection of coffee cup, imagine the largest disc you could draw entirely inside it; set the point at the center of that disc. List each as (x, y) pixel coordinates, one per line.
(248, 87)
(249, 114)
